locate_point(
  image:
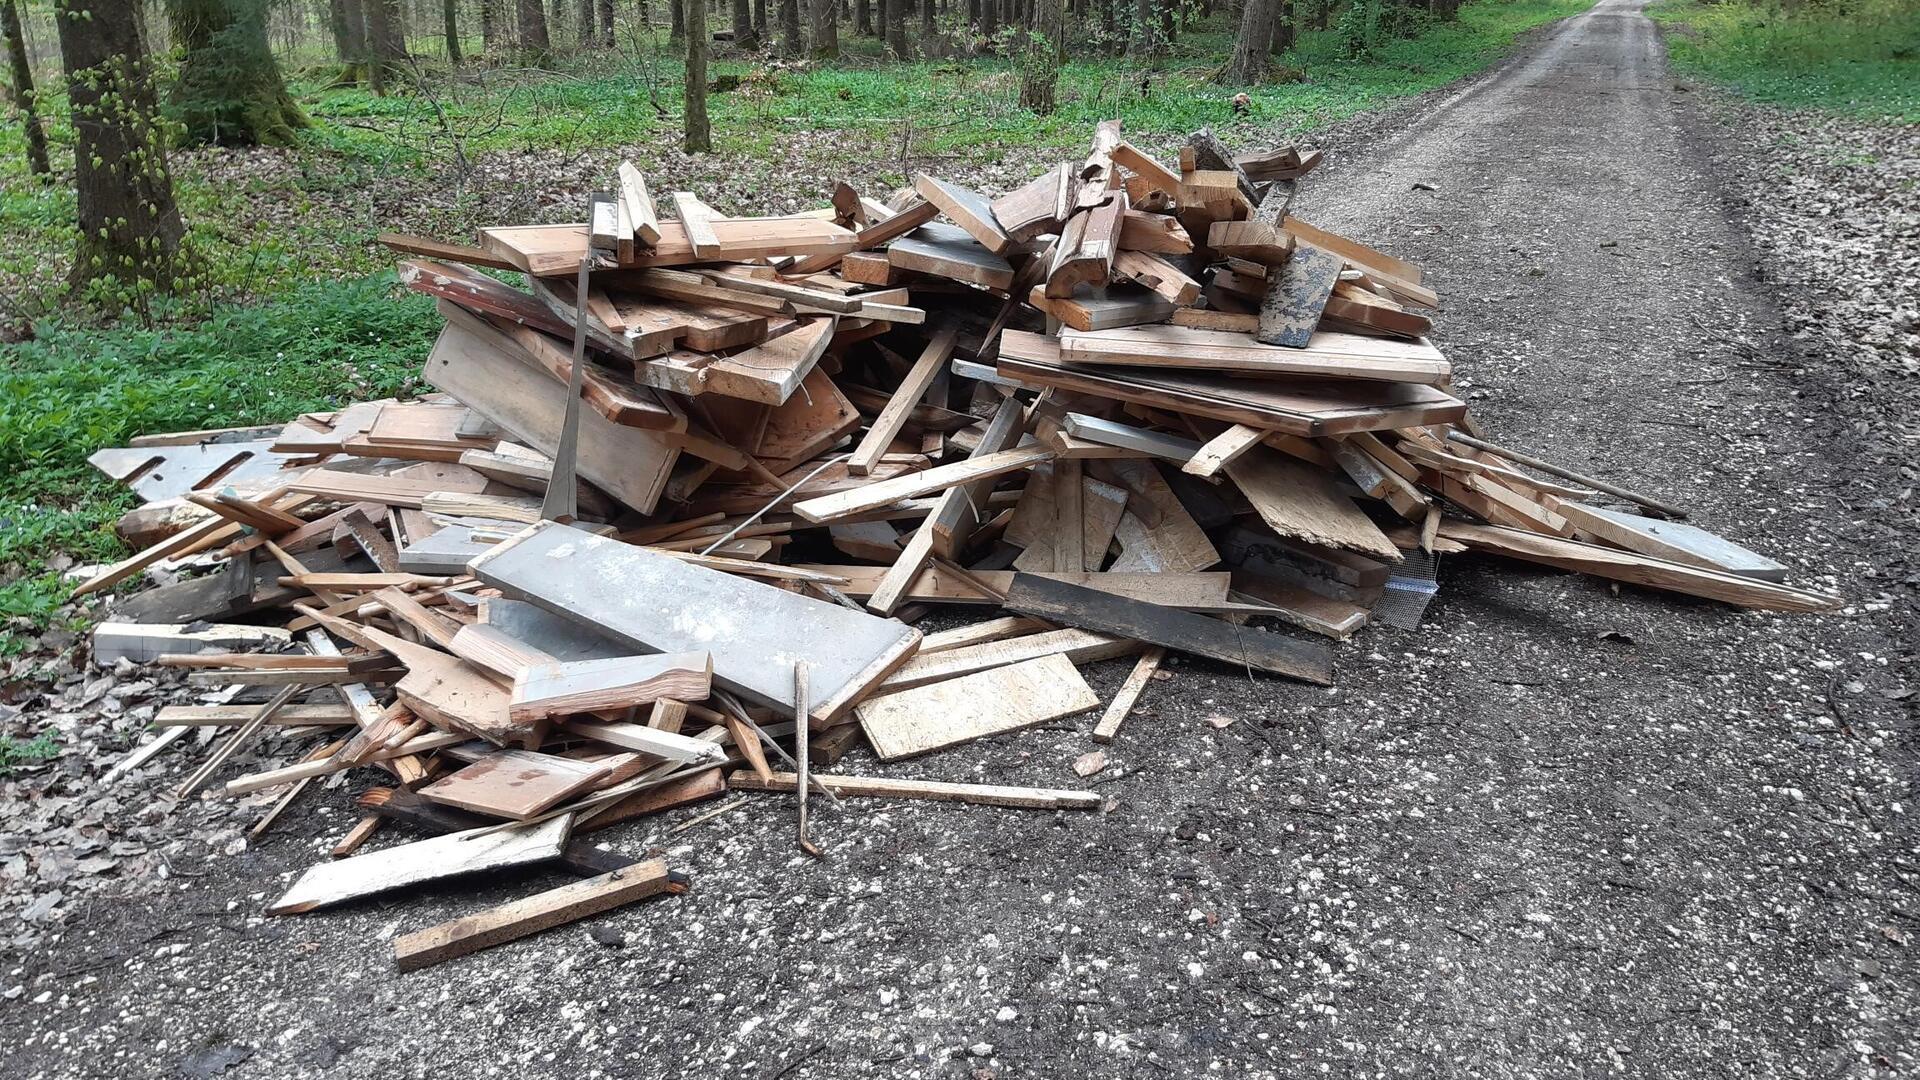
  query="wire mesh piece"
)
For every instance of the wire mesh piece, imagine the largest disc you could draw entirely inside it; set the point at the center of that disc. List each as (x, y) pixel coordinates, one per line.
(1409, 590)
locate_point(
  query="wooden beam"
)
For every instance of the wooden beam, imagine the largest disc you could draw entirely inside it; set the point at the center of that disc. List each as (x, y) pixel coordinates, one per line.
(913, 386)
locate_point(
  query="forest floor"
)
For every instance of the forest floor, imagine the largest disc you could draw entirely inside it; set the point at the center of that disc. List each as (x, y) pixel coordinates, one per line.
(1564, 829)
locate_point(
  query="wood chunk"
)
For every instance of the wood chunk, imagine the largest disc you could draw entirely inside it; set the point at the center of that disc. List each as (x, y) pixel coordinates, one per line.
(542, 911)
(656, 602)
(768, 373)
(1085, 252)
(966, 208)
(1158, 274)
(638, 204)
(563, 688)
(1297, 500)
(944, 714)
(337, 881)
(1242, 647)
(1222, 449)
(929, 790)
(513, 784)
(696, 219)
(650, 739)
(1297, 293)
(1158, 176)
(1159, 233)
(1103, 307)
(1128, 694)
(1037, 208)
(1257, 241)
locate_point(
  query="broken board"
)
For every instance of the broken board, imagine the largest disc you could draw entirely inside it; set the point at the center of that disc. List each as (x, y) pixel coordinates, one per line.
(942, 714)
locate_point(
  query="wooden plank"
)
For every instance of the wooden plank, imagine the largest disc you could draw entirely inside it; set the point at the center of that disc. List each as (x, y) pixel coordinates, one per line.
(977, 633)
(1156, 273)
(1300, 501)
(1079, 646)
(1104, 307)
(768, 373)
(638, 203)
(513, 784)
(1297, 293)
(1128, 694)
(1156, 534)
(1085, 251)
(1298, 407)
(655, 602)
(1038, 207)
(650, 738)
(938, 584)
(966, 208)
(1159, 444)
(1089, 609)
(322, 715)
(960, 508)
(629, 463)
(533, 914)
(550, 250)
(1037, 525)
(873, 496)
(913, 386)
(947, 251)
(337, 881)
(1675, 541)
(442, 250)
(1223, 448)
(1158, 176)
(928, 790)
(1158, 233)
(1326, 354)
(905, 221)
(566, 687)
(992, 702)
(696, 218)
(1399, 277)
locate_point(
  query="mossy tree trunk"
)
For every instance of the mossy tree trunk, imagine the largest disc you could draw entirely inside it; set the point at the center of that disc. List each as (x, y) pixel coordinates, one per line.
(386, 43)
(229, 91)
(826, 30)
(450, 23)
(699, 134)
(37, 162)
(679, 30)
(1250, 50)
(130, 229)
(605, 23)
(533, 30)
(745, 38)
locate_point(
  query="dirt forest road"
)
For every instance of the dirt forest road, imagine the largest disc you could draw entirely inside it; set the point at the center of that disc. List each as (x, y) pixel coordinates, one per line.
(1562, 830)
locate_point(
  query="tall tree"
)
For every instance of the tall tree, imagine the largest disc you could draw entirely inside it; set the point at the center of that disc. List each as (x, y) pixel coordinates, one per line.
(790, 43)
(826, 29)
(1144, 43)
(1040, 63)
(386, 43)
(1282, 27)
(894, 14)
(863, 18)
(926, 27)
(583, 23)
(349, 25)
(37, 162)
(229, 90)
(1249, 62)
(130, 230)
(744, 35)
(679, 30)
(450, 22)
(605, 23)
(699, 138)
(489, 25)
(533, 30)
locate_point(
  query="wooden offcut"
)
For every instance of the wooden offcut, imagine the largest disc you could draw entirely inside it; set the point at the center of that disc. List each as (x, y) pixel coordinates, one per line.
(991, 702)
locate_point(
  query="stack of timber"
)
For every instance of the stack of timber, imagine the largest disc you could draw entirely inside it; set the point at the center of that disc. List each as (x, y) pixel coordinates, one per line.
(687, 482)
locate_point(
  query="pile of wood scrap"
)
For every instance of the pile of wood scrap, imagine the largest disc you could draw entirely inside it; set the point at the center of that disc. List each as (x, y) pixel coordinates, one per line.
(688, 483)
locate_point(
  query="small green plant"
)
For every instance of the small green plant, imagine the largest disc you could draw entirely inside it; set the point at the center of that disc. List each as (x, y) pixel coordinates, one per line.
(16, 752)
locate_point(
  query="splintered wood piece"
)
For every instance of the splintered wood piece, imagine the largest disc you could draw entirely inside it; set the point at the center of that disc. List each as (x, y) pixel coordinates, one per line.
(1157, 534)
(913, 386)
(513, 784)
(1239, 646)
(943, 714)
(697, 219)
(908, 219)
(1297, 293)
(655, 602)
(1256, 241)
(928, 790)
(1325, 354)
(1037, 522)
(873, 496)
(966, 208)
(440, 249)
(1298, 406)
(960, 636)
(650, 739)
(1299, 501)
(891, 592)
(1079, 646)
(947, 251)
(1085, 252)
(1038, 208)
(531, 915)
(768, 373)
(638, 204)
(1222, 449)
(1158, 274)
(579, 686)
(337, 881)
(603, 224)
(1158, 233)
(1128, 694)
(1158, 176)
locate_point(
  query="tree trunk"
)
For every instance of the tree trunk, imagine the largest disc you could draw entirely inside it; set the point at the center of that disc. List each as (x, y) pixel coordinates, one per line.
(1040, 68)
(386, 42)
(37, 162)
(646, 13)
(826, 30)
(1282, 27)
(760, 21)
(863, 18)
(489, 26)
(229, 91)
(533, 30)
(1144, 43)
(930, 44)
(744, 37)
(450, 20)
(583, 23)
(1249, 62)
(130, 228)
(603, 23)
(678, 32)
(894, 14)
(790, 43)
(699, 138)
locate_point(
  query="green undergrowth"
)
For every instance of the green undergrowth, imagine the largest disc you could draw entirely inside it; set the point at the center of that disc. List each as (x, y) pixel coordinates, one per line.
(1860, 57)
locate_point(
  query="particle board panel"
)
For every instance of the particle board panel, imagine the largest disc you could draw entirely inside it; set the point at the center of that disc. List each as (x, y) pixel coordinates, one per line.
(943, 714)
(339, 880)
(657, 603)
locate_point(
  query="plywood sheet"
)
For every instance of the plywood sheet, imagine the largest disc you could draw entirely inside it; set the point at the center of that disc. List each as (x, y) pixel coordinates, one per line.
(943, 714)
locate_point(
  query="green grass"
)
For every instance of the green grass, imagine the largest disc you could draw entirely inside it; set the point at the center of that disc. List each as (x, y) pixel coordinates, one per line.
(15, 752)
(299, 317)
(1860, 58)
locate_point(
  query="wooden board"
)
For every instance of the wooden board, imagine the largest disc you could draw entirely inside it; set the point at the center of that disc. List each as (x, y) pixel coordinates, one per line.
(577, 686)
(966, 208)
(1400, 277)
(944, 714)
(947, 251)
(768, 373)
(1128, 694)
(1089, 609)
(1326, 355)
(514, 784)
(1675, 541)
(548, 250)
(1157, 534)
(930, 790)
(541, 911)
(1297, 500)
(913, 386)
(629, 463)
(1079, 646)
(873, 496)
(1103, 307)
(1036, 521)
(1297, 293)
(339, 880)
(1304, 407)
(1038, 207)
(655, 602)
(935, 584)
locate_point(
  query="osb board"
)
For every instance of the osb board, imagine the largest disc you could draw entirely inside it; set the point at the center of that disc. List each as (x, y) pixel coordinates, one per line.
(942, 714)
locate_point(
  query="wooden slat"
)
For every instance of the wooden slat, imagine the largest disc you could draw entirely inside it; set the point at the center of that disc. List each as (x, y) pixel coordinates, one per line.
(943, 714)
(928, 790)
(531, 915)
